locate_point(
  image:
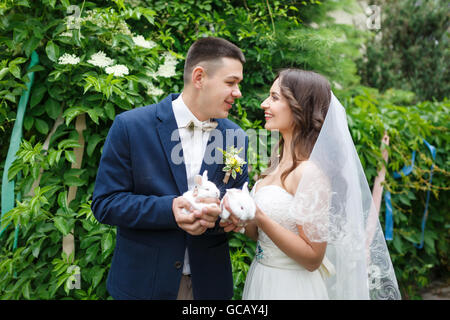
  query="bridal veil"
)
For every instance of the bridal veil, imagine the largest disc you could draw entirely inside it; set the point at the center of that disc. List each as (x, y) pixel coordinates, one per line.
(333, 204)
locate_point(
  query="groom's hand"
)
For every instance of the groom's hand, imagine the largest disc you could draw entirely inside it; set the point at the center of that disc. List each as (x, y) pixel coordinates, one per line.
(187, 222)
(208, 216)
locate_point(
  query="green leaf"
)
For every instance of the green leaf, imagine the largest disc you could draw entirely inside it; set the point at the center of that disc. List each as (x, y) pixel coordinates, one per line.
(52, 3)
(65, 3)
(62, 225)
(18, 60)
(28, 123)
(72, 112)
(62, 200)
(97, 277)
(41, 126)
(50, 188)
(71, 177)
(93, 114)
(54, 76)
(10, 97)
(30, 45)
(54, 156)
(68, 143)
(110, 111)
(23, 3)
(249, 251)
(26, 290)
(429, 243)
(92, 143)
(398, 244)
(44, 227)
(15, 71)
(87, 241)
(70, 156)
(3, 72)
(37, 95)
(107, 241)
(235, 243)
(14, 170)
(53, 108)
(92, 252)
(74, 181)
(52, 51)
(411, 238)
(37, 248)
(405, 200)
(36, 68)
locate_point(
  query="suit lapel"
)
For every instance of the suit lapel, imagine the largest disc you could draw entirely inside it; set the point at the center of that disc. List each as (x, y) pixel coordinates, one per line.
(214, 166)
(170, 141)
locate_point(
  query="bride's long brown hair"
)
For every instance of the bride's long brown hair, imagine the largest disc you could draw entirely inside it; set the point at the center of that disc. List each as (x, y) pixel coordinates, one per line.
(308, 95)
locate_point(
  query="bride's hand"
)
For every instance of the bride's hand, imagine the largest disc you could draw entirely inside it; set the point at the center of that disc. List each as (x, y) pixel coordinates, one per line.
(259, 216)
(233, 223)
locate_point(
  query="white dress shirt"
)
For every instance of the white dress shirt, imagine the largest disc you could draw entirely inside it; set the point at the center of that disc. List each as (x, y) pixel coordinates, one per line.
(194, 145)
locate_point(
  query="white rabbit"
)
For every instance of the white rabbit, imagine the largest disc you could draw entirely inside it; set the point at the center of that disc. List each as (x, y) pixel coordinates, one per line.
(202, 189)
(240, 202)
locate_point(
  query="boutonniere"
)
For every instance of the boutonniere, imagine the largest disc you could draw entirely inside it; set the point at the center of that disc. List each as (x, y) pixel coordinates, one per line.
(233, 163)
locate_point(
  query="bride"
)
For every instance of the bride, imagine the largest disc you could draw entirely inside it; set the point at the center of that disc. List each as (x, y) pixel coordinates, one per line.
(317, 230)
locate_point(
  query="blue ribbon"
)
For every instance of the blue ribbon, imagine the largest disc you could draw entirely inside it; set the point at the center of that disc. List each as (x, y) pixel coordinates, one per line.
(389, 221)
(8, 197)
(425, 213)
(406, 169)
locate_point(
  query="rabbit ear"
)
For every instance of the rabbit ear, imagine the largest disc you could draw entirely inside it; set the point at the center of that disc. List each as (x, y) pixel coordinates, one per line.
(198, 179)
(245, 188)
(205, 176)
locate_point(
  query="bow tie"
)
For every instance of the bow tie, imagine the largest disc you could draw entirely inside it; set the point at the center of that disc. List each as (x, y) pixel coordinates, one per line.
(204, 126)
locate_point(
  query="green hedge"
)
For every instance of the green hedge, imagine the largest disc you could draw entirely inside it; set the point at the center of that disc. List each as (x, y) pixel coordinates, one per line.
(415, 38)
(272, 36)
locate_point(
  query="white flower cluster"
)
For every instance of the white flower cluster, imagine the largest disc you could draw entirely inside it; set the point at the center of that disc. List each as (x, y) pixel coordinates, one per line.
(73, 22)
(66, 34)
(154, 91)
(141, 42)
(105, 20)
(100, 59)
(119, 70)
(151, 74)
(167, 69)
(68, 58)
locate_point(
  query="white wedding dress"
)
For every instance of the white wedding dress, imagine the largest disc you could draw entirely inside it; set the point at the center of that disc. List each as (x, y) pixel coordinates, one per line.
(273, 275)
(333, 203)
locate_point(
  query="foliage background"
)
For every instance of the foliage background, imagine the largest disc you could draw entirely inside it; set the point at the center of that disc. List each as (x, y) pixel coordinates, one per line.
(274, 35)
(415, 37)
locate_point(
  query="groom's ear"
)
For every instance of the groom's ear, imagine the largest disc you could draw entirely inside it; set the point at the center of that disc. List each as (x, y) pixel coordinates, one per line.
(198, 77)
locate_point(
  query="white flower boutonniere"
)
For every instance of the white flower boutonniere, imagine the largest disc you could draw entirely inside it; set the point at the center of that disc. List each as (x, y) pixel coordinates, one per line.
(233, 163)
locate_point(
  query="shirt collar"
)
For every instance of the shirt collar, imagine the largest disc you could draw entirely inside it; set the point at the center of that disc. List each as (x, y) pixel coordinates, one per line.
(182, 113)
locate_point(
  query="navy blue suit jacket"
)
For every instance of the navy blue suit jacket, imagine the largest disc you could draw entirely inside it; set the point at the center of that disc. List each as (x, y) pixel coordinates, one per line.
(134, 189)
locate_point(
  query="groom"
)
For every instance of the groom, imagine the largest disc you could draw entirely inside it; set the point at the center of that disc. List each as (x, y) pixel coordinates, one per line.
(150, 158)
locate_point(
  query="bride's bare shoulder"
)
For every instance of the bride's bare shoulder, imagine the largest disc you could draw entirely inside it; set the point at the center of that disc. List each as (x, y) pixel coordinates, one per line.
(307, 167)
(296, 175)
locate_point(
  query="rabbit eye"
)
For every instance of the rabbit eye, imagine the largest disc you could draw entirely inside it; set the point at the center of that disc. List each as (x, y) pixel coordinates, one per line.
(242, 208)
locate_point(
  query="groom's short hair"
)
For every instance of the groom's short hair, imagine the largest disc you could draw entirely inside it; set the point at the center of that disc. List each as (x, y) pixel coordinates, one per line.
(210, 49)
